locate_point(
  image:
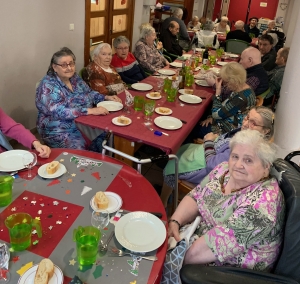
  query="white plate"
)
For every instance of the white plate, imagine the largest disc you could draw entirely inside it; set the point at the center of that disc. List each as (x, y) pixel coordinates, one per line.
(190, 99)
(153, 98)
(141, 87)
(222, 63)
(202, 83)
(110, 105)
(168, 122)
(233, 55)
(140, 232)
(163, 113)
(12, 160)
(28, 276)
(186, 56)
(43, 172)
(115, 121)
(182, 92)
(220, 33)
(176, 64)
(200, 49)
(166, 72)
(115, 202)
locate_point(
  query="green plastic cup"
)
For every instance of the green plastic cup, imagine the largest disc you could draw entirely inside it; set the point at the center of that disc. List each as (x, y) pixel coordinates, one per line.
(6, 185)
(171, 96)
(167, 85)
(138, 103)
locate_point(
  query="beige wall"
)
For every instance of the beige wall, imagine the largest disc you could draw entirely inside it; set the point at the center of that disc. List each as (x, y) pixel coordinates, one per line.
(31, 31)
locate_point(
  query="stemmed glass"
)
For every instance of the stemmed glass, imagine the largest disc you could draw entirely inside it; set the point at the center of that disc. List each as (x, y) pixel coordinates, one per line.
(4, 259)
(100, 220)
(149, 107)
(29, 160)
(128, 103)
(159, 84)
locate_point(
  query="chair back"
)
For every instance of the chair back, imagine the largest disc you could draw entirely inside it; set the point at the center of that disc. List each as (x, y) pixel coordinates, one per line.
(289, 261)
(236, 46)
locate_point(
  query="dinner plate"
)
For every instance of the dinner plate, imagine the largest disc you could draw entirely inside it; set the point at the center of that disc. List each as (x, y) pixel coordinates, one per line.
(141, 87)
(166, 72)
(168, 111)
(176, 64)
(202, 83)
(183, 92)
(110, 105)
(153, 98)
(222, 63)
(42, 171)
(190, 99)
(12, 160)
(168, 122)
(233, 55)
(199, 49)
(28, 276)
(140, 232)
(115, 121)
(114, 204)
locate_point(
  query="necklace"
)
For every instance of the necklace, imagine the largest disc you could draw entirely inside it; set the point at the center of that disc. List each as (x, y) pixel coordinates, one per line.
(222, 179)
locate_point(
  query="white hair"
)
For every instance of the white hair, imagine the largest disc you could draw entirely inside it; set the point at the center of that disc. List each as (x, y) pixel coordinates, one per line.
(97, 50)
(177, 12)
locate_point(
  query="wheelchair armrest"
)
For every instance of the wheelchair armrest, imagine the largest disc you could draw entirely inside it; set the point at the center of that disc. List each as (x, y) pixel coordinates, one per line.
(199, 274)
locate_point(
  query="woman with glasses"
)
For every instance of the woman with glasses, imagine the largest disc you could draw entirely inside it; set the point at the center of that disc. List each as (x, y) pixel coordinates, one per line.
(125, 63)
(101, 75)
(63, 96)
(197, 160)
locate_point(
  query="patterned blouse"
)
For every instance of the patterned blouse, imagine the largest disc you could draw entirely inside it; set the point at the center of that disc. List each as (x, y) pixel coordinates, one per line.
(149, 57)
(243, 229)
(106, 83)
(58, 106)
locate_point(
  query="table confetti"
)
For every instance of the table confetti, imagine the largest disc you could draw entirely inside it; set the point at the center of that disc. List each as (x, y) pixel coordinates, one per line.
(34, 232)
(69, 180)
(16, 258)
(96, 175)
(37, 218)
(55, 203)
(33, 202)
(25, 198)
(24, 268)
(65, 208)
(68, 191)
(58, 222)
(85, 190)
(98, 271)
(62, 160)
(40, 212)
(56, 181)
(42, 204)
(35, 242)
(72, 262)
(65, 153)
(50, 228)
(73, 175)
(13, 209)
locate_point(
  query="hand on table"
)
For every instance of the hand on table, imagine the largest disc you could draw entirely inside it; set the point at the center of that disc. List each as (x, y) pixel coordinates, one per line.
(98, 111)
(113, 98)
(210, 136)
(173, 231)
(44, 151)
(206, 122)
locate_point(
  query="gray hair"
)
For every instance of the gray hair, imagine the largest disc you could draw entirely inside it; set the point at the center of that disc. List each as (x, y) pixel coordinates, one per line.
(177, 12)
(195, 18)
(268, 118)
(265, 150)
(146, 31)
(97, 50)
(208, 26)
(119, 40)
(55, 57)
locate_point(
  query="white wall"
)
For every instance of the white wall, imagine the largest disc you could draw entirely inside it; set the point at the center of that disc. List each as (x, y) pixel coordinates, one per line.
(31, 31)
(139, 15)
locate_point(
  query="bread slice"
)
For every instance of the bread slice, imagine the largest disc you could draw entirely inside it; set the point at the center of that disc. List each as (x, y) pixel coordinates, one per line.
(164, 110)
(101, 200)
(52, 167)
(154, 94)
(188, 91)
(123, 120)
(44, 272)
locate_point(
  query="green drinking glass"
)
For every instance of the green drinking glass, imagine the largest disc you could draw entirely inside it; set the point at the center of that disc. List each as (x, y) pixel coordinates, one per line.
(138, 103)
(167, 85)
(6, 185)
(149, 106)
(171, 96)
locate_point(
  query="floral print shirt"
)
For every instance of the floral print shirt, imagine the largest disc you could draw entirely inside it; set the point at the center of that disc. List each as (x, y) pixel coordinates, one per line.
(58, 106)
(244, 228)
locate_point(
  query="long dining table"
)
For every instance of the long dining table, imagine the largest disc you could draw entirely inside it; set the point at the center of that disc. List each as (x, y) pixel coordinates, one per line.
(63, 203)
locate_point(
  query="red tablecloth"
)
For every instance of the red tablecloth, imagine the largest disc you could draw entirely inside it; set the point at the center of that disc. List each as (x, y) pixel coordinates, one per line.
(137, 131)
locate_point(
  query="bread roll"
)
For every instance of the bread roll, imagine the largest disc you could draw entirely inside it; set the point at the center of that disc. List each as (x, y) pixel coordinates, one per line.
(188, 91)
(44, 272)
(123, 120)
(52, 167)
(101, 200)
(154, 94)
(163, 110)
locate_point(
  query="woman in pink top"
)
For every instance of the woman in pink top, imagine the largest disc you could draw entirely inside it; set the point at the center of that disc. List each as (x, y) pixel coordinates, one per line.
(18, 132)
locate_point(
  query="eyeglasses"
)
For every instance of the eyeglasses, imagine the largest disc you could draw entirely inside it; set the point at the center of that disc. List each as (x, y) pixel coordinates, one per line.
(252, 122)
(65, 65)
(122, 48)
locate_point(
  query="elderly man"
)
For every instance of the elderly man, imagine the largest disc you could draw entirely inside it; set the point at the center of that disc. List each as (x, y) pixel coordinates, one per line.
(252, 29)
(276, 33)
(276, 75)
(257, 77)
(170, 41)
(239, 33)
(268, 54)
(184, 39)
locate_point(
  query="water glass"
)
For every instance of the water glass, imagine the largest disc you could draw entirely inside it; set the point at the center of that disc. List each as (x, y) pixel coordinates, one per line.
(129, 101)
(138, 103)
(29, 160)
(6, 185)
(212, 59)
(100, 220)
(159, 84)
(149, 107)
(189, 79)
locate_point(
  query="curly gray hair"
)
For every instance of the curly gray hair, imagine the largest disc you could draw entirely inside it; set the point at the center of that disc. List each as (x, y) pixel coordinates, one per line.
(119, 40)
(146, 31)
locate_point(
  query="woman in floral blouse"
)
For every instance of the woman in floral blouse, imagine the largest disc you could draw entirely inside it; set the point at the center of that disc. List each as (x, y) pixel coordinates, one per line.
(241, 208)
(63, 96)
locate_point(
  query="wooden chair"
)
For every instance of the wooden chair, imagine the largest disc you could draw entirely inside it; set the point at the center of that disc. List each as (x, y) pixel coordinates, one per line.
(236, 46)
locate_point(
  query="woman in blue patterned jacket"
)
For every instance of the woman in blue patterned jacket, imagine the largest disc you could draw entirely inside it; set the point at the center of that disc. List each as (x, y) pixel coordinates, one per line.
(63, 96)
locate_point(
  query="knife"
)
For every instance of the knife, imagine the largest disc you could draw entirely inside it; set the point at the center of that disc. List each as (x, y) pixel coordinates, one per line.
(157, 214)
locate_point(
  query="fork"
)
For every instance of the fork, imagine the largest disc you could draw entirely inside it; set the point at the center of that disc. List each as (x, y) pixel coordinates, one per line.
(122, 253)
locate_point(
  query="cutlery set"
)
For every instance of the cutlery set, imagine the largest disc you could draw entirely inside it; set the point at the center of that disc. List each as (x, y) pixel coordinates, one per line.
(121, 253)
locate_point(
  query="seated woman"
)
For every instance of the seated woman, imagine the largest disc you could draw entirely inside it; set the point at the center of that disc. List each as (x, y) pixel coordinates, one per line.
(100, 75)
(222, 27)
(195, 161)
(241, 209)
(227, 113)
(194, 24)
(125, 63)
(146, 53)
(207, 37)
(18, 132)
(63, 96)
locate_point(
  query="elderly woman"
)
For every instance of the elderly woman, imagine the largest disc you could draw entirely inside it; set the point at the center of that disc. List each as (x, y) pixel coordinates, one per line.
(125, 63)
(101, 75)
(194, 24)
(207, 37)
(146, 52)
(63, 96)
(241, 209)
(197, 160)
(222, 27)
(12, 129)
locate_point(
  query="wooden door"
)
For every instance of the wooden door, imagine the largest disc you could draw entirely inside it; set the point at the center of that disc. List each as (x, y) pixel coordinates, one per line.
(106, 20)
